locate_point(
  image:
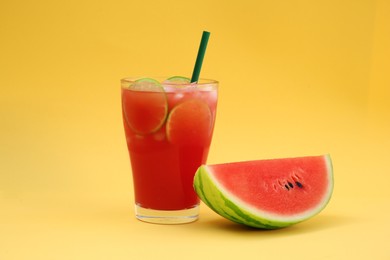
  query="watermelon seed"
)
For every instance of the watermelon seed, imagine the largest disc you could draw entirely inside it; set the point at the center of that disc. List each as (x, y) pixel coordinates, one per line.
(290, 184)
(288, 188)
(299, 184)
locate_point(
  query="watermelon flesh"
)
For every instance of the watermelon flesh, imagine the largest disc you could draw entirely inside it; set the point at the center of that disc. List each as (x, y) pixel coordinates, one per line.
(267, 194)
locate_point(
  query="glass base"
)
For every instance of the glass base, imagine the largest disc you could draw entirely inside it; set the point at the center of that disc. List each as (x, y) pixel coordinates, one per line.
(167, 216)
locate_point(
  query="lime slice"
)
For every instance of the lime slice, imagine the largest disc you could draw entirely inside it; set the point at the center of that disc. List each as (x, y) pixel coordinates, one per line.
(190, 123)
(146, 84)
(145, 106)
(177, 81)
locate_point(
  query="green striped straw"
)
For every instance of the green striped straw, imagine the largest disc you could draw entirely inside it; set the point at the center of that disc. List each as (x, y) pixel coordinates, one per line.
(199, 58)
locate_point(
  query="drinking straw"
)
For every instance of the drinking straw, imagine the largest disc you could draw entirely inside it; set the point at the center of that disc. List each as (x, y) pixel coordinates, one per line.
(199, 58)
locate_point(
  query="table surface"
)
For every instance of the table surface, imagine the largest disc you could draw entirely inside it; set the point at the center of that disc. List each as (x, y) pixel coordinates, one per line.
(93, 217)
(51, 228)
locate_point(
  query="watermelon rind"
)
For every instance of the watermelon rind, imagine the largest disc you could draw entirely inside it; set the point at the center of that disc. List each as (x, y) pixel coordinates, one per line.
(229, 206)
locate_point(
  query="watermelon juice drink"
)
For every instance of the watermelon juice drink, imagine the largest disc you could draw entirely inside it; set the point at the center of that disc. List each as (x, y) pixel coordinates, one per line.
(168, 126)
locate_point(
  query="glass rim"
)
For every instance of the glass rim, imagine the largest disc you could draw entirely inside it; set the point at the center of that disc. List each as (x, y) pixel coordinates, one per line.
(200, 82)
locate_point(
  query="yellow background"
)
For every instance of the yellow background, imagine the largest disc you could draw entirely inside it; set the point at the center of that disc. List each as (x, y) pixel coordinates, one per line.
(296, 78)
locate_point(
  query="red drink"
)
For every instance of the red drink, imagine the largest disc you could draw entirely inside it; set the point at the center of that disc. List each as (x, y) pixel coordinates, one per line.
(168, 130)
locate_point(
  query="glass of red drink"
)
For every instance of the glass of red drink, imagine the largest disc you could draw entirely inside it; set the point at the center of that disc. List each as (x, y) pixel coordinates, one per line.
(168, 125)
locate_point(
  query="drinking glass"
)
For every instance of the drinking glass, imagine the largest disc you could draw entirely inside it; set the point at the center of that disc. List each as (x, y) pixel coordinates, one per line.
(168, 126)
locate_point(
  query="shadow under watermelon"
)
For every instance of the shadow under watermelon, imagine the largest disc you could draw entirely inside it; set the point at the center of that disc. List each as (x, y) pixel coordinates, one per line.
(316, 224)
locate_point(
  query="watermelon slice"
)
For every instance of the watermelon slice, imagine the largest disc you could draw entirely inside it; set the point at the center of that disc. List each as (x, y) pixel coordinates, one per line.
(267, 194)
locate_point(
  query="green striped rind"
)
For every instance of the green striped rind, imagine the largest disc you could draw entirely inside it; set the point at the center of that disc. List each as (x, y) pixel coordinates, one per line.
(219, 202)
